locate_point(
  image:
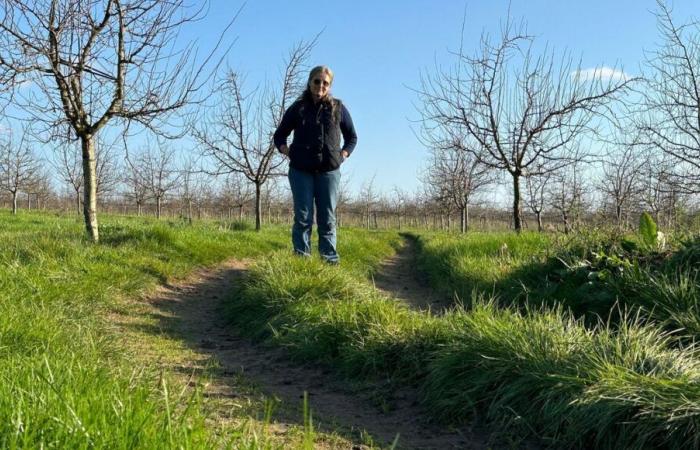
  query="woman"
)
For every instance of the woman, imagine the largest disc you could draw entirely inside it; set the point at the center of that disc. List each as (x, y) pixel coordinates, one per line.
(318, 121)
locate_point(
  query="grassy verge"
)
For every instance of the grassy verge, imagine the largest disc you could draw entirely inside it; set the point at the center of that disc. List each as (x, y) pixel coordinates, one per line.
(540, 371)
(64, 380)
(594, 275)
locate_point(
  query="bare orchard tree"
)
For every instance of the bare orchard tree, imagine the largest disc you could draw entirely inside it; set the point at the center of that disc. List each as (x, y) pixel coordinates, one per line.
(621, 176)
(68, 165)
(40, 189)
(19, 167)
(91, 62)
(157, 172)
(669, 119)
(343, 199)
(236, 192)
(566, 194)
(398, 202)
(136, 184)
(659, 191)
(236, 134)
(513, 109)
(106, 166)
(536, 194)
(368, 198)
(457, 176)
(190, 185)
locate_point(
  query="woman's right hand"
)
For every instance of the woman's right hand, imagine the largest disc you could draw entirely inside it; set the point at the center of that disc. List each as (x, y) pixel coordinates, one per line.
(284, 150)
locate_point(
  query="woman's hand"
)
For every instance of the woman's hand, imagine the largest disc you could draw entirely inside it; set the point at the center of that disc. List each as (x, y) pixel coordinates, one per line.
(284, 150)
(345, 154)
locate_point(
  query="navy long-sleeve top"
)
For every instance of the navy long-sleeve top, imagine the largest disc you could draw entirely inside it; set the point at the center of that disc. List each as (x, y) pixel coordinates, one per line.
(316, 146)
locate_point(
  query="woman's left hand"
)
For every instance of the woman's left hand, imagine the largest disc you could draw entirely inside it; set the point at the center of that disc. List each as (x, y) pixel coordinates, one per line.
(345, 154)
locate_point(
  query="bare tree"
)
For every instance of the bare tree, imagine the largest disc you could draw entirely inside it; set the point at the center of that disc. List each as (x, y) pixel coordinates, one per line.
(67, 163)
(136, 185)
(93, 62)
(536, 194)
(669, 119)
(106, 167)
(399, 201)
(18, 167)
(659, 191)
(236, 193)
(343, 199)
(566, 194)
(190, 186)
(456, 176)
(40, 188)
(621, 176)
(368, 198)
(157, 172)
(237, 133)
(512, 109)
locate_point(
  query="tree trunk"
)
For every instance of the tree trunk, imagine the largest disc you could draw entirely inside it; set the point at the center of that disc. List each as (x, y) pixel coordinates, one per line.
(90, 187)
(258, 206)
(466, 217)
(158, 203)
(463, 219)
(14, 203)
(517, 222)
(77, 200)
(539, 221)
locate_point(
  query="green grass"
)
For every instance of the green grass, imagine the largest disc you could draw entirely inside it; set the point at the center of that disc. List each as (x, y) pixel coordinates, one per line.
(483, 262)
(64, 381)
(538, 370)
(523, 361)
(593, 274)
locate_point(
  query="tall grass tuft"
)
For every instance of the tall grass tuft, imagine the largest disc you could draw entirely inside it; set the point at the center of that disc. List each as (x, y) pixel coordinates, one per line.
(537, 370)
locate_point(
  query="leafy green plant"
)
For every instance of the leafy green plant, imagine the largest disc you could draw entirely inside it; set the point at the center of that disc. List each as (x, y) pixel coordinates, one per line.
(648, 230)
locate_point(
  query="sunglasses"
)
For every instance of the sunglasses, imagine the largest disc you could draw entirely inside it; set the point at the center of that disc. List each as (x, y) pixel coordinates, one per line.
(318, 82)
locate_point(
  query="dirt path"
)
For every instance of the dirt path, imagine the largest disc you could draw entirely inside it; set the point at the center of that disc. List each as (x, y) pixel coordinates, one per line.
(192, 311)
(397, 277)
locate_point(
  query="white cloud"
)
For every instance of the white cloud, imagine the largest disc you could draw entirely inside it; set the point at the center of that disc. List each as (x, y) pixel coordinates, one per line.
(600, 73)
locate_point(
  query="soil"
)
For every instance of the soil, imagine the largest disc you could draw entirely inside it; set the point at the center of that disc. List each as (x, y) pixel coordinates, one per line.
(398, 278)
(192, 310)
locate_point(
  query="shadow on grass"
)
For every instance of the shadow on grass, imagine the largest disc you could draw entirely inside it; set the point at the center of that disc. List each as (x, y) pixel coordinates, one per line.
(595, 280)
(545, 281)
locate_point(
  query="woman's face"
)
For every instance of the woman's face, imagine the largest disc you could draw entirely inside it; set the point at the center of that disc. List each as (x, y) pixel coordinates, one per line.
(320, 85)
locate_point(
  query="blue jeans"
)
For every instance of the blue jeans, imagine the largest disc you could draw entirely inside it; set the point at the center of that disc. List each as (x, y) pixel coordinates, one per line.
(319, 189)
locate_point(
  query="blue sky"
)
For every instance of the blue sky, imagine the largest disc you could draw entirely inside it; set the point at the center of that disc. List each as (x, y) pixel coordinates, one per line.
(378, 48)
